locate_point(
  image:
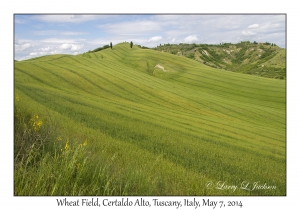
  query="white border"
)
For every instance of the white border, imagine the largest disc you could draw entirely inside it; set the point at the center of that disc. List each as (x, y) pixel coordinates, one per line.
(8, 8)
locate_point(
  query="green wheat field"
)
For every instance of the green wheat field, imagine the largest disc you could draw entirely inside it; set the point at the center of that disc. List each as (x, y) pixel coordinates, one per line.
(131, 121)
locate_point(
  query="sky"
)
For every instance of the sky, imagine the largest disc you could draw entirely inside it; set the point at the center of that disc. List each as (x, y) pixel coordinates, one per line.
(40, 34)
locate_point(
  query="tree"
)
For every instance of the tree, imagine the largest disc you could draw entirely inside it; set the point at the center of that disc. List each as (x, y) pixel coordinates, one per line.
(110, 45)
(131, 44)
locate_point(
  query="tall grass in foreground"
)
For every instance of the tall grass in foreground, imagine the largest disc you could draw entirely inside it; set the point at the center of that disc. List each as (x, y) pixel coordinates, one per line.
(48, 164)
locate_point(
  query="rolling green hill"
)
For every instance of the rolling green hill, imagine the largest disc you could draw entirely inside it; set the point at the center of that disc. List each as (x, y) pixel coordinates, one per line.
(151, 123)
(263, 59)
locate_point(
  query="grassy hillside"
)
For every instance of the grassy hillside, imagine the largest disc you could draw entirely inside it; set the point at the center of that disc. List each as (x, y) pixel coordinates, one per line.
(263, 59)
(136, 121)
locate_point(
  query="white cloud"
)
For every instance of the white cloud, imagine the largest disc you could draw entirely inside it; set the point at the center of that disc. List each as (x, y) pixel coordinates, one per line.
(76, 47)
(65, 46)
(66, 18)
(254, 26)
(248, 33)
(58, 41)
(34, 54)
(45, 49)
(55, 32)
(55, 52)
(72, 47)
(19, 21)
(191, 39)
(72, 33)
(21, 45)
(132, 27)
(155, 39)
(40, 48)
(45, 33)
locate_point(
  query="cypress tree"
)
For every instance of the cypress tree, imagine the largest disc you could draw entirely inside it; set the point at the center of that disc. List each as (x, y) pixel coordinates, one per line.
(110, 45)
(131, 44)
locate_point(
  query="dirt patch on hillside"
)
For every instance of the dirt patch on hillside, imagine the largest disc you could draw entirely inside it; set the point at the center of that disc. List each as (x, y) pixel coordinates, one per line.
(205, 52)
(161, 67)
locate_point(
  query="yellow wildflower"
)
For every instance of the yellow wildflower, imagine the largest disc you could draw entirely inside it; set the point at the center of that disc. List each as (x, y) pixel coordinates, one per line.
(85, 143)
(34, 123)
(67, 145)
(39, 123)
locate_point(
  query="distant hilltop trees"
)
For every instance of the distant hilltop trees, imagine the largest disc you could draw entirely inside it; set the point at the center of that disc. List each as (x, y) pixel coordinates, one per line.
(101, 48)
(143, 47)
(110, 46)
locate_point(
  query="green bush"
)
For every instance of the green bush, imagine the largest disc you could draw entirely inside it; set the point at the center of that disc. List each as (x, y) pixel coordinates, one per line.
(100, 48)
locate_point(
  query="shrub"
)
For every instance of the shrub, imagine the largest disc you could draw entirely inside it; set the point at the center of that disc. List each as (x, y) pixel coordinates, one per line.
(100, 48)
